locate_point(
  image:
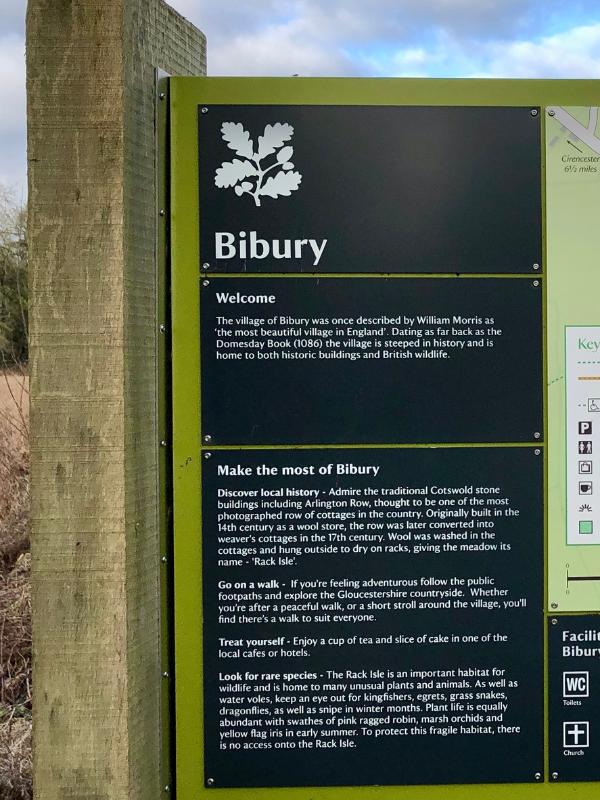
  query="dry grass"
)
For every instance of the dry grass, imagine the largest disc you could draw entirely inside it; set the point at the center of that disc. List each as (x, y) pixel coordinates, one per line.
(15, 638)
(14, 469)
(14, 393)
(15, 598)
(15, 760)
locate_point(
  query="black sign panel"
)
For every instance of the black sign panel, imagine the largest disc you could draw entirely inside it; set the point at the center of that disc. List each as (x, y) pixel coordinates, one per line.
(369, 189)
(371, 360)
(574, 663)
(372, 616)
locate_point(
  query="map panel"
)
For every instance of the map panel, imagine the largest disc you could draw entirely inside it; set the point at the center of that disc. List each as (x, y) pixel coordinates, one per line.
(573, 244)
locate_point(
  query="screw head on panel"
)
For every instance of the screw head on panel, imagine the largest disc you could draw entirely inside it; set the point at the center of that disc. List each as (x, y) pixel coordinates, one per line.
(167, 788)
(537, 435)
(165, 674)
(537, 451)
(162, 328)
(206, 265)
(538, 776)
(554, 621)
(205, 283)
(536, 283)
(536, 266)
(161, 96)
(551, 112)
(164, 559)
(162, 212)
(534, 112)
(210, 781)
(553, 605)
(555, 776)
(208, 438)
(163, 443)
(207, 455)
(204, 110)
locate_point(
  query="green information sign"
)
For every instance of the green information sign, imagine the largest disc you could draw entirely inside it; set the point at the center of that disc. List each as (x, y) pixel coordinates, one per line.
(384, 360)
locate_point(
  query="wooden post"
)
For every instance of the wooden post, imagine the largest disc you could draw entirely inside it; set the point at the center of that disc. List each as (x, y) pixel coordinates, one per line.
(92, 225)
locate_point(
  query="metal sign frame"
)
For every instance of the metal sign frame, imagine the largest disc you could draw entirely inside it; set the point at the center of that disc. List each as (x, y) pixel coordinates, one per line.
(186, 95)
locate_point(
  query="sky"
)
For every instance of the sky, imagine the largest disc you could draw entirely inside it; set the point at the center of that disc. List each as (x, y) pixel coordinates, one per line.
(366, 38)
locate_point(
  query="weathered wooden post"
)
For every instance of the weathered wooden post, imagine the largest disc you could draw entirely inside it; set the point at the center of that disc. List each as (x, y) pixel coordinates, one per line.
(92, 216)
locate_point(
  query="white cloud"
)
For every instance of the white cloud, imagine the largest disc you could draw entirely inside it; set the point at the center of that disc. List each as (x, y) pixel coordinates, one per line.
(278, 50)
(12, 17)
(572, 54)
(12, 112)
(233, 17)
(411, 38)
(386, 22)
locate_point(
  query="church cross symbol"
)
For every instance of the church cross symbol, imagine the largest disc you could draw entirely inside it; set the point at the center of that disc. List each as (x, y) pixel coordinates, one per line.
(576, 734)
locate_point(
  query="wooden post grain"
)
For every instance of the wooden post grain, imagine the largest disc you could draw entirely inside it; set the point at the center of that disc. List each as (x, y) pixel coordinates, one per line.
(92, 225)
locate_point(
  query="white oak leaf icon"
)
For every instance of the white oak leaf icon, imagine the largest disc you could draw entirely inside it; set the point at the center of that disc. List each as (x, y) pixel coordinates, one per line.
(238, 139)
(271, 176)
(230, 172)
(283, 183)
(273, 137)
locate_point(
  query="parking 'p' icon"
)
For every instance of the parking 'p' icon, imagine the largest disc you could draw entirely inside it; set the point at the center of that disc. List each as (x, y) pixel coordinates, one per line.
(585, 427)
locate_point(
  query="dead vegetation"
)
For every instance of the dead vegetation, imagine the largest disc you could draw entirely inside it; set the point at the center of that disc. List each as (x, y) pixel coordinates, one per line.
(15, 597)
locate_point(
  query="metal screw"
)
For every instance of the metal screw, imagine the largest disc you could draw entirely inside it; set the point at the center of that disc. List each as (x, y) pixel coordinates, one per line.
(536, 283)
(551, 112)
(162, 328)
(206, 265)
(555, 776)
(538, 776)
(164, 559)
(554, 621)
(167, 788)
(161, 96)
(204, 110)
(208, 437)
(536, 266)
(207, 455)
(554, 605)
(536, 435)
(210, 781)
(163, 443)
(534, 112)
(205, 283)
(162, 212)
(537, 451)
(165, 674)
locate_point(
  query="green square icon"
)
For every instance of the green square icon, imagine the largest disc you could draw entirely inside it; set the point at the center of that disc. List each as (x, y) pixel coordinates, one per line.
(586, 526)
